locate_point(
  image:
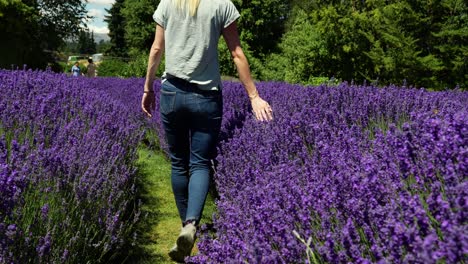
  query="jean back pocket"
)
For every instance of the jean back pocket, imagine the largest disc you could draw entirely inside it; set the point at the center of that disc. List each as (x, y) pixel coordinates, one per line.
(167, 101)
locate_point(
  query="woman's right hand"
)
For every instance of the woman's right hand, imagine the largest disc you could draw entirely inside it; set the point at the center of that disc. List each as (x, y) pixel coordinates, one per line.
(148, 103)
(261, 109)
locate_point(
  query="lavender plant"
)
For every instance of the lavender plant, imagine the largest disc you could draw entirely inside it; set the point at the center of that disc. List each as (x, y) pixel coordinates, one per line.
(67, 153)
(370, 175)
(349, 173)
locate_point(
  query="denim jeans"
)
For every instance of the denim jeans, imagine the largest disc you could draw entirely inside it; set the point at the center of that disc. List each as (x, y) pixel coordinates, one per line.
(192, 121)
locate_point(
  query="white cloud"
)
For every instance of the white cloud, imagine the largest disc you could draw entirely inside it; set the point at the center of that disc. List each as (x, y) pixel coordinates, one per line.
(101, 2)
(96, 13)
(97, 29)
(96, 10)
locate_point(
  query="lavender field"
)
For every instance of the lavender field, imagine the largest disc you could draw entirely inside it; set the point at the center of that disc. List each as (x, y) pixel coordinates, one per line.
(67, 172)
(361, 174)
(364, 174)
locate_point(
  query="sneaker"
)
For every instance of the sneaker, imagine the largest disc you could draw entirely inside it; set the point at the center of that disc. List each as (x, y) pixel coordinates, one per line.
(184, 244)
(176, 254)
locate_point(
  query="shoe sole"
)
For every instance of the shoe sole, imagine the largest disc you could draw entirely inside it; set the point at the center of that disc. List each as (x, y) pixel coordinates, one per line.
(185, 243)
(177, 256)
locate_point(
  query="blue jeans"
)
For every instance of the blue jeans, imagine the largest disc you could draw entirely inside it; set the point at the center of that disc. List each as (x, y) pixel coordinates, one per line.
(192, 121)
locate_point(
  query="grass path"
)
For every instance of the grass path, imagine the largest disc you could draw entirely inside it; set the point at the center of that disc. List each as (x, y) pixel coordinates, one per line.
(161, 225)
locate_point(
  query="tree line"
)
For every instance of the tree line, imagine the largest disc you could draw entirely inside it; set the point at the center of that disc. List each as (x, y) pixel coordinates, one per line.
(418, 43)
(32, 31)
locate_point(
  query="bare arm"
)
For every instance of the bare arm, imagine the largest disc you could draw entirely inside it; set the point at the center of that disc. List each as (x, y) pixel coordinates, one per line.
(231, 36)
(156, 51)
(260, 107)
(148, 101)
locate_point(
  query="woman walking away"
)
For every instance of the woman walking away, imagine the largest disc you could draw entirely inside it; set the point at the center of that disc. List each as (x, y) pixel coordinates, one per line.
(191, 100)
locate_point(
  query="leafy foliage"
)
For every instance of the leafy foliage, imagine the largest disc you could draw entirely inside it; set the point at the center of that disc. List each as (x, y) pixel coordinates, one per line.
(122, 68)
(116, 24)
(415, 42)
(32, 30)
(139, 24)
(111, 67)
(403, 42)
(86, 43)
(261, 24)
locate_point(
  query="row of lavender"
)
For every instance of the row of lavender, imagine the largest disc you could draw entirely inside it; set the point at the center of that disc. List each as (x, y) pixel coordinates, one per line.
(365, 174)
(67, 167)
(322, 168)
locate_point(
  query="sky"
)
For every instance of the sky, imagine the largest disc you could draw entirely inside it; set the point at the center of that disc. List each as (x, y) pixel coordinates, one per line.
(96, 8)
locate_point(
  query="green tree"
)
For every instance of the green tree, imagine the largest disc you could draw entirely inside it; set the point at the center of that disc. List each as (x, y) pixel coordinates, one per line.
(447, 41)
(139, 24)
(69, 47)
(116, 23)
(394, 51)
(16, 45)
(33, 30)
(86, 43)
(103, 46)
(262, 23)
(420, 42)
(304, 54)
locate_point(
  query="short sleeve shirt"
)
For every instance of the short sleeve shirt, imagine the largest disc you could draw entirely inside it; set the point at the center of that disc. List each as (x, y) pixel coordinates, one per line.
(191, 42)
(91, 70)
(75, 70)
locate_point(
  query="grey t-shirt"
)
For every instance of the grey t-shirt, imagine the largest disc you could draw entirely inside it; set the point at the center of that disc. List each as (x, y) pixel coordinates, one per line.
(191, 42)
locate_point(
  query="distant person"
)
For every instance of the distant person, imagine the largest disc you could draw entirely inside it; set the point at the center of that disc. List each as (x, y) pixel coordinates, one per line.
(91, 69)
(75, 70)
(191, 103)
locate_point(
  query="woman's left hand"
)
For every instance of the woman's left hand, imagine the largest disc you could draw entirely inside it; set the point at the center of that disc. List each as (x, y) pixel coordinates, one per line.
(148, 103)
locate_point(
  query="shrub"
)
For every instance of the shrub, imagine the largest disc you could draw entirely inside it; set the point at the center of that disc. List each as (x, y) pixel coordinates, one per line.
(111, 68)
(136, 67)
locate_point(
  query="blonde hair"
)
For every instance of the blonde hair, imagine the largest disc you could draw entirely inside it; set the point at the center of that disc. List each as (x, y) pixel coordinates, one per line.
(191, 4)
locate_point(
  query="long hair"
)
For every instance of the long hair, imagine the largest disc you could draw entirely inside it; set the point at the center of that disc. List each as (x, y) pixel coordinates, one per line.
(191, 4)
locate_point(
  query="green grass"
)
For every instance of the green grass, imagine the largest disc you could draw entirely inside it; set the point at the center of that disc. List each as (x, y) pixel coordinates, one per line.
(161, 226)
